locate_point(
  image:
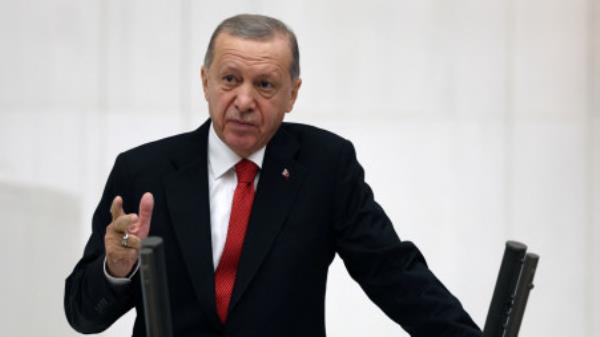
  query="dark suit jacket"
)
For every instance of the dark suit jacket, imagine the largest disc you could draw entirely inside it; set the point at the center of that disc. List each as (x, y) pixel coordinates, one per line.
(297, 226)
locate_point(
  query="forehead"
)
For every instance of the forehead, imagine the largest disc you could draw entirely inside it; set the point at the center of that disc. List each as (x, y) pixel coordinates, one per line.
(271, 51)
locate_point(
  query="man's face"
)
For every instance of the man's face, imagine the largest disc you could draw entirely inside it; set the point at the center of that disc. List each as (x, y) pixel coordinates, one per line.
(249, 89)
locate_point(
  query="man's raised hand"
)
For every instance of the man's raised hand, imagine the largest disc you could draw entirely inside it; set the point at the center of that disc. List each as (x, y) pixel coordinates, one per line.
(121, 259)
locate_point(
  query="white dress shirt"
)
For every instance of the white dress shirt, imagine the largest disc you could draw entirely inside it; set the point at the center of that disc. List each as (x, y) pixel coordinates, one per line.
(222, 182)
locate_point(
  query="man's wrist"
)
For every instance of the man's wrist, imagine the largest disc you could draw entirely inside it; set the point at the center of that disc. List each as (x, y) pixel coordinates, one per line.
(117, 281)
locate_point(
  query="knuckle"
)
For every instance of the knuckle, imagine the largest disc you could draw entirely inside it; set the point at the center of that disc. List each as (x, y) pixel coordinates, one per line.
(110, 228)
(134, 241)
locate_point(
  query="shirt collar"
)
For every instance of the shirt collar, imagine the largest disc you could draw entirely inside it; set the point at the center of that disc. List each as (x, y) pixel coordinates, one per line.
(221, 158)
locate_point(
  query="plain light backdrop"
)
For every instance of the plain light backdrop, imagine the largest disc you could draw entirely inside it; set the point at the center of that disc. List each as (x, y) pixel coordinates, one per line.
(477, 121)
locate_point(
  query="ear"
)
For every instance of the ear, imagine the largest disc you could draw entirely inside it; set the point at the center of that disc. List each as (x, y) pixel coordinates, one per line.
(204, 77)
(294, 94)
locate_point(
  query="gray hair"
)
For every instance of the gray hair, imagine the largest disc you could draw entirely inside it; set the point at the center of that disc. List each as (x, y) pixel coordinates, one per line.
(255, 27)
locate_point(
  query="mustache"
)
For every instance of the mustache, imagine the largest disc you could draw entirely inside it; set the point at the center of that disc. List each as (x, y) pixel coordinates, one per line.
(236, 116)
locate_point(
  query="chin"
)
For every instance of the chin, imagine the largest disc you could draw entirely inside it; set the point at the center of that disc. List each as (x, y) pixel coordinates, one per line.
(242, 146)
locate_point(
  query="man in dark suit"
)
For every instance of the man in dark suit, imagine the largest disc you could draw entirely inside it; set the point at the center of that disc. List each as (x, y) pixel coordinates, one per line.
(252, 212)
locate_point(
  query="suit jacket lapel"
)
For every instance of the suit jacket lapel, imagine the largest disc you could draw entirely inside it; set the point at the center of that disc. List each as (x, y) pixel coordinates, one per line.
(274, 197)
(187, 200)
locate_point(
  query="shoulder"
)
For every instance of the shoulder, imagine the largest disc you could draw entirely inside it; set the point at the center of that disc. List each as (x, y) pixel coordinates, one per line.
(309, 136)
(318, 149)
(164, 153)
(162, 146)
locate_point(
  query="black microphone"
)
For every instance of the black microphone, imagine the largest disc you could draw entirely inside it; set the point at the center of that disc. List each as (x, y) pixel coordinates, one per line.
(504, 292)
(154, 288)
(522, 294)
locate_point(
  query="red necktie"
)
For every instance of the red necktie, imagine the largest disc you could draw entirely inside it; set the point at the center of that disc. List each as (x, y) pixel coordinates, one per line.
(238, 222)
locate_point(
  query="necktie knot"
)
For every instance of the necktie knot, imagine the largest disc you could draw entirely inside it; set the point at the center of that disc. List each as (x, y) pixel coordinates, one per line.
(245, 171)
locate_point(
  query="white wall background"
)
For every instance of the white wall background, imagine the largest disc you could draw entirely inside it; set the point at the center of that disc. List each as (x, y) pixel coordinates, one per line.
(485, 113)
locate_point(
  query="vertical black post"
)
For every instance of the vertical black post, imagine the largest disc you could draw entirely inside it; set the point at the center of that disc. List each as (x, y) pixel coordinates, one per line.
(523, 288)
(154, 288)
(504, 292)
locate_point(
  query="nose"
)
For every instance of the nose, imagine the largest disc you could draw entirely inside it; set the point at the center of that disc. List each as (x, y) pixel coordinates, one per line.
(245, 98)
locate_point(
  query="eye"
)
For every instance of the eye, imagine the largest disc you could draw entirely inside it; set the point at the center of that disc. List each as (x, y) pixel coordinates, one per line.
(265, 85)
(229, 79)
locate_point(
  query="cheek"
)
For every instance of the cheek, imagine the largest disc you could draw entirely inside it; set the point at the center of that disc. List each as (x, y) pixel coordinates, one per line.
(272, 119)
(220, 101)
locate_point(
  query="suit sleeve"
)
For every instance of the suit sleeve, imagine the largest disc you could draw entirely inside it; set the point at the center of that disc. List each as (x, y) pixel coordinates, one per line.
(91, 302)
(392, 273)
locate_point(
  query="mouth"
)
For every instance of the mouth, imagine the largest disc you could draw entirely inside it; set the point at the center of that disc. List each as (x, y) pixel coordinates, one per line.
(240, 125)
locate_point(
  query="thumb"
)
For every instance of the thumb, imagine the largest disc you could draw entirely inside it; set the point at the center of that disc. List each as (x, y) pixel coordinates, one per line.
(142, 227)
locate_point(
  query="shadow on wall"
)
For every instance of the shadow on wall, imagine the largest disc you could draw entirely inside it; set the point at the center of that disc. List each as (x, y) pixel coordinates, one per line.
(39, 240)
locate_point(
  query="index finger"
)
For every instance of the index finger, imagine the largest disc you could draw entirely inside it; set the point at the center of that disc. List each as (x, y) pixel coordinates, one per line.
(116, 208)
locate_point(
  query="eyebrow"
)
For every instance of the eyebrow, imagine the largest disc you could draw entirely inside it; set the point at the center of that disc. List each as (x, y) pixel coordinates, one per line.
(271, 72)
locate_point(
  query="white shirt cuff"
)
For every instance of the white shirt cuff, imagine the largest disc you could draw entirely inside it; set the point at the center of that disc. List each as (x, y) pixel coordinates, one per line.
(117, 281)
